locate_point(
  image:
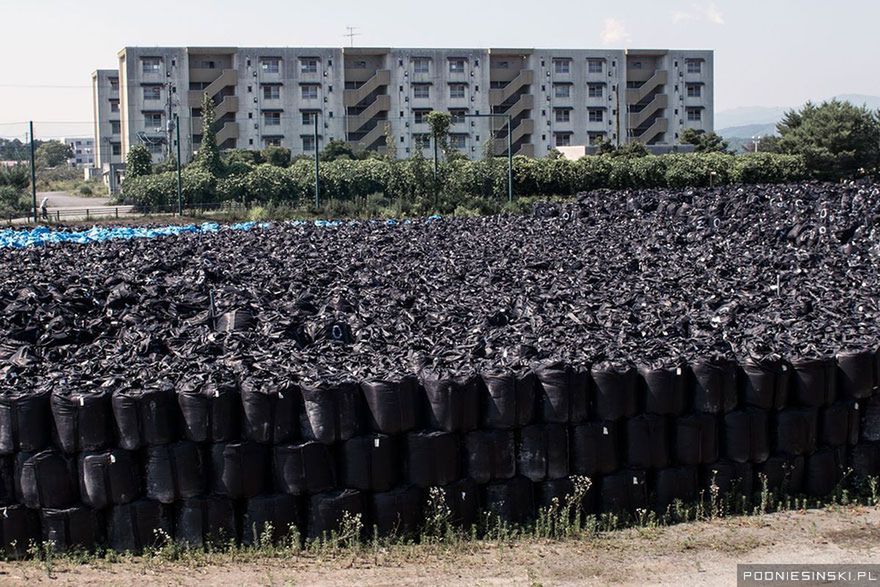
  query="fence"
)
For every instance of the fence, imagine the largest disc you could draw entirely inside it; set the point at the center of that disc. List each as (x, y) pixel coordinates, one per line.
(227, 459)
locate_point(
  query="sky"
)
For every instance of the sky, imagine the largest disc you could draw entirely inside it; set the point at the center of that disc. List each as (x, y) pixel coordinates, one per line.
(767, 52)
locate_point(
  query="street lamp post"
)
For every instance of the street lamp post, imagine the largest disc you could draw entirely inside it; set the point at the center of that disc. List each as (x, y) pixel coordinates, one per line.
(179, 163)
(509, 148)
(756, 140)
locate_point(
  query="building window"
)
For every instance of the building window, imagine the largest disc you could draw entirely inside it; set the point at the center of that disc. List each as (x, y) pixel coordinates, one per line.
(636, 64)
(595, 90)
(456, 66)
(456, 90)
(309, 92)
(308, 143)
(114, 84)
(562, 139)
(596, 114)
(114, 105)
(562, 90)
(153, 121)
(419, 116)
(270, 65)
(421, 65)
(695, 114)
(150, 65)
(115, 127)
(694, 65)
(271, 92)
(595, 65)
(422, 91)
(308, 118)
(458, 116)
(422, 140)
(155, 148)
(308, 65)
(115, 149)
(272, 118)
(595, 137)
(694, 90)
(562, 65)
(152, 92)
(458, 141)
(562, 115)
(270, 141)
(502, 65)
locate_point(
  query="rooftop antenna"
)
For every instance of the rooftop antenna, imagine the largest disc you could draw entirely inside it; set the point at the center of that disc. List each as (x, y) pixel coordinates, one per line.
(351, 34)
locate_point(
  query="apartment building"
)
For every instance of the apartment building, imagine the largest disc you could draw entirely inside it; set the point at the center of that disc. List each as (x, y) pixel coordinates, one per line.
(82, 151)
(378, 98)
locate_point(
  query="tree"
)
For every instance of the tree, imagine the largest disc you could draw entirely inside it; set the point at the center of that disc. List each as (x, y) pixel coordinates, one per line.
(390, 143)
(277, 156)
(439, 122)
(603, 146)
(209, 153)
(633, 149)
(138, 162)
(337, 149)
(53, 154)
(704, 142)
(836, 139)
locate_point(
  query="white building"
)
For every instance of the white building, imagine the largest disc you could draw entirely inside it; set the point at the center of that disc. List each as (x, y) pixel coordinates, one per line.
(82, 151)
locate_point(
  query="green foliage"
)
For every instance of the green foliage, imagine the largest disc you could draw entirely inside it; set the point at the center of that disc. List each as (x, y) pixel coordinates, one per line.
(439, 123)
(835, 139)
(13, 202)
(337, 149)
(16, 150)
(704, 142)
(167, 164)
(277, 156)
(138, 162)
(768, 168)
(53, 154)
(633, 149)
(208, 157)
(158, 192)
(18, 176)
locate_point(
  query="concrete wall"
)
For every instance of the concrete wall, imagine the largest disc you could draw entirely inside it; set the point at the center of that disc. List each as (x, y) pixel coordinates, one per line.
(103, 95)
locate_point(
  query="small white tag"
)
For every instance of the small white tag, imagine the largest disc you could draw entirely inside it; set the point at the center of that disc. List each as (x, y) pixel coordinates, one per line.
(280, 395)
(784, 368)
(857, 406)
(82, 401)
(678, 371)
(5, 513)
(216, 393)
(376, 442)
(605, 430)
(112, 458)
(464, 494)
(635, 480)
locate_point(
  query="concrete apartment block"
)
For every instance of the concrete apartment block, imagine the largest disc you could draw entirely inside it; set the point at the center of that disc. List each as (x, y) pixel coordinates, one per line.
(83, 149)
(378, 98)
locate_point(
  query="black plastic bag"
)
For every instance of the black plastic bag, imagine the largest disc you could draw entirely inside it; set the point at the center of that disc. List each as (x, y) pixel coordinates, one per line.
(269, 410)
(764, 383)
(462, 502)
(238, 469)
(665, 390)
(542, 452)
(19, 529)
(783, 473)
(109, 478)
(73, 528)
(511, 501)
(858, 373)
(175, 471)
(83, 421)
(131, 527)
(328, 510)
(25, 422)
(392, 406)
(274, 517)
(696, 439)
(398, 512)
(508, 399)
(715, 386)
(490, 455)
(371, 462)
(595, 448)
(864, 458)
(555, 496)
(839, 423)
(330, 412)
(7, 480)
(675, 483)
(205, 520)
(46, 479)
(746, 435)
(452, 403)
(624, 491)
(814, 382)
(210, 412)
(728, 478)
(870, 425)
(303, 468)
(796, 430)
(431, 458)
(647, 441)
(615, 391)
(824, 470)
(145, 417)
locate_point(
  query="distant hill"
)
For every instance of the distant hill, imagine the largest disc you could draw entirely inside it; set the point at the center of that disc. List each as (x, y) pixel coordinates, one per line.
(739, 125)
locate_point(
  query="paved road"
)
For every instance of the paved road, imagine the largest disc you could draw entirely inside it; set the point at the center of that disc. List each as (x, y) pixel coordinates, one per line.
(66, 207)
(68, 200)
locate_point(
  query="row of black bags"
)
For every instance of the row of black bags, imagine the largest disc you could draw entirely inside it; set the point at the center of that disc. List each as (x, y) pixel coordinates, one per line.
(277, 411)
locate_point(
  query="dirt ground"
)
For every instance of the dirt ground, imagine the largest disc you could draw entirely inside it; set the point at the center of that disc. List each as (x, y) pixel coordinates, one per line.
(701, 553)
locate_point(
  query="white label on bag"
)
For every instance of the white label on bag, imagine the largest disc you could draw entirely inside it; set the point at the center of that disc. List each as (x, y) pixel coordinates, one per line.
(605, 430)
(82, 401)
(216, 393)
(678, 371)
(635, 480)
(112, 458)
(463, 494)
(376, 442)
(857, 406)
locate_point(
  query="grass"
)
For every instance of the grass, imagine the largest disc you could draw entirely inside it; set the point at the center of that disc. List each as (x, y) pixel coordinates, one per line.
(562, 521)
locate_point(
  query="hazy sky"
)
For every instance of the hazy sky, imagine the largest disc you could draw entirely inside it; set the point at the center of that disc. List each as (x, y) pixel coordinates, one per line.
(767, 52)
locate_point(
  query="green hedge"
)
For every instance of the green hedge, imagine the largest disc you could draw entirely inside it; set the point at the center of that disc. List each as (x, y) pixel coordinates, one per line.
(460, 181)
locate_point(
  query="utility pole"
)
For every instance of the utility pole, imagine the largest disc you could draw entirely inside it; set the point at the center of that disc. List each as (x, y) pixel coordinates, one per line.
(33, 171)
(317, 166)
(179, 163)
(351, 34)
